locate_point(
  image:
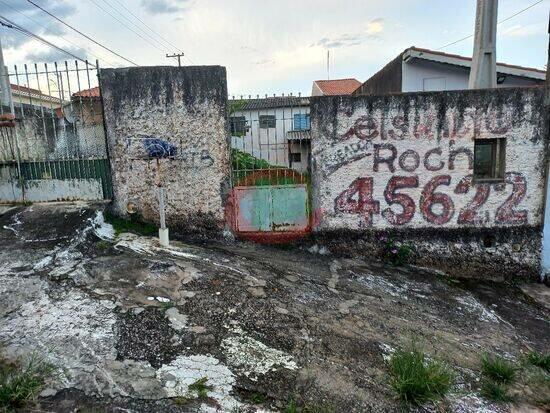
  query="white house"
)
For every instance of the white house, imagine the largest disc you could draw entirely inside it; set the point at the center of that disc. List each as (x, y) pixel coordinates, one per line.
(275, 129)
(417, 70)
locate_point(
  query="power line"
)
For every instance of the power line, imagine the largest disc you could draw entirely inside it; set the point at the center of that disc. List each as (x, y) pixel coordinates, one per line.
(40, 24)
(125, 25)
(500, 22)
(82, 34)
(8, 23)
(166, 42)
(144, 24)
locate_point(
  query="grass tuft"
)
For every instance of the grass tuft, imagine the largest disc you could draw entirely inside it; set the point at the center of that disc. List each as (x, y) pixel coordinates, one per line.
(201, 388)
(495, 391)
(498, 369)
(102, 245)
(416, 379)
(21, 382)
(540, 360)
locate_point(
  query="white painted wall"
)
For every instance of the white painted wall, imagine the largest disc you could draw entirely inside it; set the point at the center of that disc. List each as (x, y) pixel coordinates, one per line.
(268, 144)
(421, 75)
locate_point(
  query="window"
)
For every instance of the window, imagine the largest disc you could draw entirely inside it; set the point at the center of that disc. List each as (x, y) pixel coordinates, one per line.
(267, 121)
(237, 125)
(301, 121)
(296, 157)
(489, 159)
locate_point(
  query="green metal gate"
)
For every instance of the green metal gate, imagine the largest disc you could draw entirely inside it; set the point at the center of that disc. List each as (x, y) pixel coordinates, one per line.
(270, 168)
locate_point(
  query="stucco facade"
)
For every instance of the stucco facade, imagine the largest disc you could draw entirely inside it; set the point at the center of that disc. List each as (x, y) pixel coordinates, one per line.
(403, 165)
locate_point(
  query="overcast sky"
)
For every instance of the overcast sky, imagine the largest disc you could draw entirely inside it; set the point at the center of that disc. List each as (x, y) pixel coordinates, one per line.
(270, 46)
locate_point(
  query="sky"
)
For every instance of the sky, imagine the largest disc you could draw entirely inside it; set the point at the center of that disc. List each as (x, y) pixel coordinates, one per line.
(268, 47)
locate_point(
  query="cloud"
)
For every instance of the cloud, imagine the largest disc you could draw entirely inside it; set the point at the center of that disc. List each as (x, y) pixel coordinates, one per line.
(163, 6)
(371, 32)
(26, 15)
(52, 55)
(264, 62)
(520, 30)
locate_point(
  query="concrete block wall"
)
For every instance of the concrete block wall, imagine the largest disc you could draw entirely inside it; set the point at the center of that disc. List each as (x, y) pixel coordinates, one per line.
(402, 165)
(186, 108)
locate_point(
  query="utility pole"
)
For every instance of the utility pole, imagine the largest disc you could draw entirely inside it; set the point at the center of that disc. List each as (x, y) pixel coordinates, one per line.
(483, 73)
(5, 87)
(178, 55)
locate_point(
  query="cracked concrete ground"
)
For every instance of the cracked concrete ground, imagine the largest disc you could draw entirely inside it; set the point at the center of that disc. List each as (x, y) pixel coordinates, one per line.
(130, 325)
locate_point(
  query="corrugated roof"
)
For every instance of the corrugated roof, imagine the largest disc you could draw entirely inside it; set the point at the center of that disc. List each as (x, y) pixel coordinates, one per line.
(298, 135)
(269, 103)
(338, 86)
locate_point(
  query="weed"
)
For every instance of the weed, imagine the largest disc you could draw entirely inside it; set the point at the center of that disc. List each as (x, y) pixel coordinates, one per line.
(495, 391)
(416, 379)
(167, 305)
(181, 401)
(21, 382)
(102, 245)
(394, 252)
(201, 388)
(134, 225)
(498, 369)
(540, 360)
(291, 407)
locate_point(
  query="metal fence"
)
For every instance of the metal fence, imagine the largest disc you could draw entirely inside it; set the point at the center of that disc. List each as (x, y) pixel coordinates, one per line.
(269, 140)
(57, 149)
(270, 159)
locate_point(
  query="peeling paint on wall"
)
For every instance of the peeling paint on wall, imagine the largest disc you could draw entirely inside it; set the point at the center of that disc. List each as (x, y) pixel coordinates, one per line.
(168, 126)
(405, 162)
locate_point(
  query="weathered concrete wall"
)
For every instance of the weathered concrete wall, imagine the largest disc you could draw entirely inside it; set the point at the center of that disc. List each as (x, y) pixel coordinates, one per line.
(186, 109)
(403, 164)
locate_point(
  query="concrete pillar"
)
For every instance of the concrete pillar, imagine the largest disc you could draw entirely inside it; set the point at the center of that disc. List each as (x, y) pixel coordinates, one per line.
(483, 73)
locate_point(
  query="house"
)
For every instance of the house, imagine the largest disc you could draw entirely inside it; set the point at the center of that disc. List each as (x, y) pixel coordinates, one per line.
(417, 70)
(22, 95)
(274, 129)
(334, 87)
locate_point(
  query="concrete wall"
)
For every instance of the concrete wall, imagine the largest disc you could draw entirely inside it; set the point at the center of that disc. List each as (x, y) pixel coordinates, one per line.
(403, 165)
(185, 107)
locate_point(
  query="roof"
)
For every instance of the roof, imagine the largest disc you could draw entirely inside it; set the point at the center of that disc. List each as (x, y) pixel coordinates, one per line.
(338, 86)
(34, 93)
(453, 59)
(298, 135)
(88, 93)
(269, 103)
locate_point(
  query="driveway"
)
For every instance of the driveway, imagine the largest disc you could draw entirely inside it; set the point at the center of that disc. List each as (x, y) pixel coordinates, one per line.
(129, 325)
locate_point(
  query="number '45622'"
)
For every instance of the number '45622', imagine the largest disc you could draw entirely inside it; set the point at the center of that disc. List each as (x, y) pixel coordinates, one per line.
(436, 207)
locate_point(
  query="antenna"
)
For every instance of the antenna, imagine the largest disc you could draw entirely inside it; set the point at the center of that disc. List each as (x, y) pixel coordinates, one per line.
(328, 64)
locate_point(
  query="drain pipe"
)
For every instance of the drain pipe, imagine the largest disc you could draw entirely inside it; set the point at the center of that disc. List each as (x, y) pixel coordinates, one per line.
(163, 231)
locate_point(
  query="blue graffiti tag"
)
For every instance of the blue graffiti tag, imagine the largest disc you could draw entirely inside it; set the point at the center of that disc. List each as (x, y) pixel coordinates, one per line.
(158, 148)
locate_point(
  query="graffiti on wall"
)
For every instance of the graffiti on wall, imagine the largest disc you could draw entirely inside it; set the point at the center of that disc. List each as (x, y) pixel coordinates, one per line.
(150, 147)
(379, 170)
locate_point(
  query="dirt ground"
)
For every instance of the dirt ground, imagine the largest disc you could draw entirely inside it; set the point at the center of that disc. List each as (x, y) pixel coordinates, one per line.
(129, 325)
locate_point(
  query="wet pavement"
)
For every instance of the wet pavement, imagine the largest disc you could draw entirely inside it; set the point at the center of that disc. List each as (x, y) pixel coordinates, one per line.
(129, 325)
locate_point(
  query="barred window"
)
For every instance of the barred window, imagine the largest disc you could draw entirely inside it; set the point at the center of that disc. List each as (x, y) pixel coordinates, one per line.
(267, 121)
(237, 125)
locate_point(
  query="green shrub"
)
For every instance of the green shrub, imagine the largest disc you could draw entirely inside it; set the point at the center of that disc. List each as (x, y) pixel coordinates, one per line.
(416, 379)
(133, 225)
(21, 382)
(498, 369)
(395, 252)
(540, 360)
(495, 391)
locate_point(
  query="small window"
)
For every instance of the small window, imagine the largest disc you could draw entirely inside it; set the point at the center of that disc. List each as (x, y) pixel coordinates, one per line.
(296, 157)
(489, 159)
(238, 125)
(267, 121)
(301, 121)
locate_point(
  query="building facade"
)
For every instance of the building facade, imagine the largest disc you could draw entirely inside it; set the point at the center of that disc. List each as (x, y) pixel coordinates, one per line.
(423, 70)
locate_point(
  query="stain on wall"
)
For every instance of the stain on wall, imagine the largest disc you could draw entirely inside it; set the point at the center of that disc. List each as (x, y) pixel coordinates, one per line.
(404, 164)
(167, 126)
